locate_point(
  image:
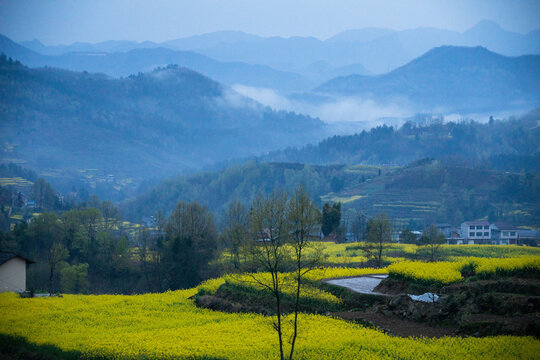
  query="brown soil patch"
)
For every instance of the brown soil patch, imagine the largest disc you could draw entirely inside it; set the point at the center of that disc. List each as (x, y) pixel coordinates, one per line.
(393, 287)
(396, 326)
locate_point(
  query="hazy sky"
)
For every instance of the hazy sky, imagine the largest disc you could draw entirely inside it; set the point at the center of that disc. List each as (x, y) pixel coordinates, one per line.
(62, 21)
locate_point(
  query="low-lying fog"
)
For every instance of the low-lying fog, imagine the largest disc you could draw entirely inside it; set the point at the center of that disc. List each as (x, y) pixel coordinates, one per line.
(348, 114)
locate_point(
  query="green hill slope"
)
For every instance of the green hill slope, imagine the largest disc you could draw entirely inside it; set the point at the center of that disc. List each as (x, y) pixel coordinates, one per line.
(510, 145)
(422, 193)
(143, 126)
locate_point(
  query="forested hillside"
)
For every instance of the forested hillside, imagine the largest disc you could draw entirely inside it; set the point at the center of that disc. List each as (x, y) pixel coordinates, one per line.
(146, 125)
(430, 191)
(482, 169)
(237, 182)
(422, 193)
(510, 145)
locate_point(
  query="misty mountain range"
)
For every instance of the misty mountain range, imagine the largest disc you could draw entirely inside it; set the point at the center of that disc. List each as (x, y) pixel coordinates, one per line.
(288, 64)
(240, 46)
(378, 50)
(173, 118)
(445, 79)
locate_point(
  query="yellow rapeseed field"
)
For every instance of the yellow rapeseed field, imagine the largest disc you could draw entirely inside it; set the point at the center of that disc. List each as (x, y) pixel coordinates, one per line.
(439, 272)
(170, 326)
(352, 253)
(288, 283)
(446, 272)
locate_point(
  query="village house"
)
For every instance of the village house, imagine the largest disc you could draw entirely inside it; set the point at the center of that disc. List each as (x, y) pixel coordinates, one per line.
(476, 232)
(529, 237)
(455, 237)
(445, 228)
(13, 272)
(504, 234)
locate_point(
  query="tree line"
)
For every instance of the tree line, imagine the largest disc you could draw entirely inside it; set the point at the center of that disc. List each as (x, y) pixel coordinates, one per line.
(90, 249)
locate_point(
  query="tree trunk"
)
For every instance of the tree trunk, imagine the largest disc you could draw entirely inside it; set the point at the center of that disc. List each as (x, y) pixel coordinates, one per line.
(296, 307)
(51, 277)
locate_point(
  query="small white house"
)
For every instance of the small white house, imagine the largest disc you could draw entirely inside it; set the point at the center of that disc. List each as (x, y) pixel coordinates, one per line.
(13, 272)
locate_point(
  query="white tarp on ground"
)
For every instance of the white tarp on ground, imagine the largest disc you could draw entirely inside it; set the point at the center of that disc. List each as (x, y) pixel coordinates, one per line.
(363, 284)
(427, 297)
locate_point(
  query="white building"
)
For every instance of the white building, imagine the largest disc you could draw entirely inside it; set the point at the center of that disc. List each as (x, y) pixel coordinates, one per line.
(13, 272)
(476, 232)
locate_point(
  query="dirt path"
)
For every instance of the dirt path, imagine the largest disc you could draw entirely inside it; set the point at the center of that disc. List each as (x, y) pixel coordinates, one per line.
(396, 326)
(361, 284)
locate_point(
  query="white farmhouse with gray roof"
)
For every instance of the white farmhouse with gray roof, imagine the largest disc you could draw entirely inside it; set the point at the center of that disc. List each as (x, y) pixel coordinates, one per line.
(13, 272)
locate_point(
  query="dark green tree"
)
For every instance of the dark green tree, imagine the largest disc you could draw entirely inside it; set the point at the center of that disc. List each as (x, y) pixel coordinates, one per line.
(407, 237)
(331, 217)
(43, 194)
(191, 244)
(336, 184)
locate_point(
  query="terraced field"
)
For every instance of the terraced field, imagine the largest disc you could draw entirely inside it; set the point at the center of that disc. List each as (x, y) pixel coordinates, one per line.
(15, 181)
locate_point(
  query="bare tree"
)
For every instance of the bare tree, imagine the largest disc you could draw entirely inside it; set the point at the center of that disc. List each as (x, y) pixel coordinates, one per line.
(43, 194)
(432, 238)
(358, 227)
(235, 234)
(144, 242)
(270, 226)
(304, 217)
(160, 222)
(284, 227)
(379, 231)
(110, 214)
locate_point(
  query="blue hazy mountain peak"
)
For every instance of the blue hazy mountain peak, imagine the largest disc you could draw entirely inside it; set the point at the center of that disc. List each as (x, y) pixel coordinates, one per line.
(452, 78)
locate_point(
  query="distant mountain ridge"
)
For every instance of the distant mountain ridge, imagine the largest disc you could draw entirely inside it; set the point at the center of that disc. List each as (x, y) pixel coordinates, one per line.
(146, 59)
(454, 78)
(377, 50)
